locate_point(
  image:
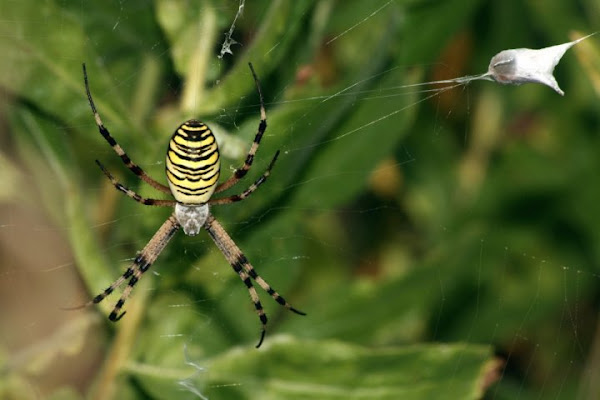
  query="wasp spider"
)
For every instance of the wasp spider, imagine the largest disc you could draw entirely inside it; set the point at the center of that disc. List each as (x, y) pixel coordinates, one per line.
(192, 167)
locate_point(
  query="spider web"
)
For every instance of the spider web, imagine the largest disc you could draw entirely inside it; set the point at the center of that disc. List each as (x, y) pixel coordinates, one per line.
(400, 212)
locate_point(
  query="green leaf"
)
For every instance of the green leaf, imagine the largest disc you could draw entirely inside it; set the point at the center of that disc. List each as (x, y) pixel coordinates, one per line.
(290, 369)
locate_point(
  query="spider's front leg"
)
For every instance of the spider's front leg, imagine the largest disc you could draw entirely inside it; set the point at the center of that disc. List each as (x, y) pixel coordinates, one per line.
(143, 261)
(245, 270)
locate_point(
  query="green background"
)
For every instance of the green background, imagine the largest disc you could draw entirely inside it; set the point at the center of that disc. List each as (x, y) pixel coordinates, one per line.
(444, 243)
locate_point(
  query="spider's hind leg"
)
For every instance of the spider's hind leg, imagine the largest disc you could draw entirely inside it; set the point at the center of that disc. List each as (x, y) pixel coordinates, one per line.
(136, 169)
(262, 127)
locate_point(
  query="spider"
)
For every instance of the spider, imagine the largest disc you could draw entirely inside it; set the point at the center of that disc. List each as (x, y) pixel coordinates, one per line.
(192, 168)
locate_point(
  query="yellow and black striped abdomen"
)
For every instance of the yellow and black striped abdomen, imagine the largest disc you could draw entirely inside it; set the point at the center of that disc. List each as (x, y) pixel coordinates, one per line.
(193, 163)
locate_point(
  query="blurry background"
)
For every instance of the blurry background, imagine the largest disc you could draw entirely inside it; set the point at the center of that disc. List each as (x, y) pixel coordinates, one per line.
(444, 243)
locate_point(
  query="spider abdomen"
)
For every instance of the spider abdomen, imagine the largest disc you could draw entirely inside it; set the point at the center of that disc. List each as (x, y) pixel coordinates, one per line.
(193, 163)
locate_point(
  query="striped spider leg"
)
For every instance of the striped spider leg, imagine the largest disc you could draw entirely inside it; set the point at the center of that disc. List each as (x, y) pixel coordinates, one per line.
(193, 169)
(262, 127)
(116, 147)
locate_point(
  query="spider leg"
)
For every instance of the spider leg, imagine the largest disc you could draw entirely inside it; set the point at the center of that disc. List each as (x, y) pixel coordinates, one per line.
(132, 194)
(262, 126)
(116, 147)
(265, 286)
(116, 284)
(255, 299)
(142, 262)
(116, 313)
(250, 190)
(127, 274)
(242, 266)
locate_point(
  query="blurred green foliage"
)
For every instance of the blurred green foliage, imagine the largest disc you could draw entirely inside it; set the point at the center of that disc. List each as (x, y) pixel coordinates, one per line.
(443, 243)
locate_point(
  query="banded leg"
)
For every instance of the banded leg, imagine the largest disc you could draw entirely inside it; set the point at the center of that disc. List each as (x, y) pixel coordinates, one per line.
(250, 190)
(265, 286)
(237, 267)
(141, 264)
(242, 266)
(118, 149)
(115, 285)
(134, 195)
(262, 126)
(143, 261)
